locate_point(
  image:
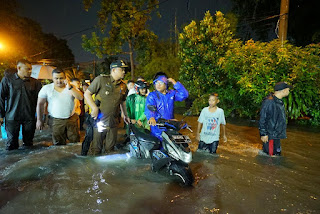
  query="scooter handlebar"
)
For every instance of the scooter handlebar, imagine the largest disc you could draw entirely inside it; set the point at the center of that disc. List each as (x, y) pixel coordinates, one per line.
(177, 125)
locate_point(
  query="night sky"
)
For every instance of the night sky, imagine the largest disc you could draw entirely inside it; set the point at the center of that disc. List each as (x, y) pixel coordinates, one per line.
(63, 17)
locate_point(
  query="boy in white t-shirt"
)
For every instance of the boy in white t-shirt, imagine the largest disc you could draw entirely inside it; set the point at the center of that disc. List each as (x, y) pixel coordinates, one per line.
(210, 119)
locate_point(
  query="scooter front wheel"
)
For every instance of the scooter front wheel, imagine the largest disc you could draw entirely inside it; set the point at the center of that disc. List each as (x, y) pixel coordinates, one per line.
(182, 173)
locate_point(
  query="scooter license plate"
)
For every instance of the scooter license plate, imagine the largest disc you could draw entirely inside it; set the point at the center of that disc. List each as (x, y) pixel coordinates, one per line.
(181, 139)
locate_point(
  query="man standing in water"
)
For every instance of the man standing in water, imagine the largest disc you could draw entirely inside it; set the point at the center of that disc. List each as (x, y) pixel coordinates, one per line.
(60, 96)
(112, 93)
(18, 101)
(272, 124)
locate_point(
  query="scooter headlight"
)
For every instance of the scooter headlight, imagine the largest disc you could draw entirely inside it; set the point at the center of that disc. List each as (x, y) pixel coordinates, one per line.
(186, 157)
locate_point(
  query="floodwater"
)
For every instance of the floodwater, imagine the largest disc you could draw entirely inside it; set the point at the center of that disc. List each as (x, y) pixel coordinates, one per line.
(239, 179)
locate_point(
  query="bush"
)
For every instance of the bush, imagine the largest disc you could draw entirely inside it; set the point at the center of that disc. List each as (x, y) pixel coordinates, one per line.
(243, 74)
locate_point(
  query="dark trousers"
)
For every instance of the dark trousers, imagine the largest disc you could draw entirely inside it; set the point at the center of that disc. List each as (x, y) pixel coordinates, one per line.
(13, 128)
(212, 147)
(272, 147)
(82, 120)
(63, 129)
(103, 142)
(89, 135)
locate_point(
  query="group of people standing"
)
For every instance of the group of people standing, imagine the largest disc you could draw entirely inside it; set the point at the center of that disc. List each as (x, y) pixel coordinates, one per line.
(23, 102)
(23, 99)
(113, 94)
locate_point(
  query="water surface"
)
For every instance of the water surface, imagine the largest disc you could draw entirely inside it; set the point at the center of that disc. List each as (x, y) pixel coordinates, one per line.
(239, 179)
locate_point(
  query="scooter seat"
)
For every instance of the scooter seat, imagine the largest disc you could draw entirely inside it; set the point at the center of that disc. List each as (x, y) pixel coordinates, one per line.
(144, 135)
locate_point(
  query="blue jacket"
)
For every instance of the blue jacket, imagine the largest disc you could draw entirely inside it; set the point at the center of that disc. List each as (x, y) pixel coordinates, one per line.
(164, 104)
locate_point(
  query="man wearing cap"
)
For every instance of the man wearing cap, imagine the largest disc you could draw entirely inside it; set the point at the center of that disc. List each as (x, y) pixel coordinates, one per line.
(272, 124)
(163, 99)
(112, 92)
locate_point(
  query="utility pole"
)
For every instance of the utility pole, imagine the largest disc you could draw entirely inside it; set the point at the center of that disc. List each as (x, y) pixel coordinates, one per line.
(283, 25)
(94, 67)
(131, 58)
(176, 36)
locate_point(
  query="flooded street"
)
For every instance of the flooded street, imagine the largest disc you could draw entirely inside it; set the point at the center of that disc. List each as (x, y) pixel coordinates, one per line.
(239, 179)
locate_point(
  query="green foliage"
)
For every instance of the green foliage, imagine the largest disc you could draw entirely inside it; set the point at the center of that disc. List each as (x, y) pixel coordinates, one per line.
(233, 20)
(99, 67)
(158, 56)
(121, 22)
(201, 47)
(243, 74)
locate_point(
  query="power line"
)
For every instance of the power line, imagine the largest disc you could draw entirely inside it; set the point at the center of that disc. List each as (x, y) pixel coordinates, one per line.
(188, 5)
(89, 28)
(267, 18)
(80, 31)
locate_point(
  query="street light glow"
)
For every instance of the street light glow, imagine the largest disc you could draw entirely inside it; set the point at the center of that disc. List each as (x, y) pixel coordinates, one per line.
(1, 46)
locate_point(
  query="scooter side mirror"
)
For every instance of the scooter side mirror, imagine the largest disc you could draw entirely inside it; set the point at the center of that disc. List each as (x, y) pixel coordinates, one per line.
(152, 108)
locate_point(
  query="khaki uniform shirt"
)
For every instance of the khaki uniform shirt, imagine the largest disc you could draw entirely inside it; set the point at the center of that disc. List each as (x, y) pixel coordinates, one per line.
(112, 93)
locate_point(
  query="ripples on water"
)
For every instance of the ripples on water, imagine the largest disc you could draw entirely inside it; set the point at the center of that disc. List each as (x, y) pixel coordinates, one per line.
(239, 179)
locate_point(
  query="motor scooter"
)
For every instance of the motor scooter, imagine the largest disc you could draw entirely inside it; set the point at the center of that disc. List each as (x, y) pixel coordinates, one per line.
(171, 155)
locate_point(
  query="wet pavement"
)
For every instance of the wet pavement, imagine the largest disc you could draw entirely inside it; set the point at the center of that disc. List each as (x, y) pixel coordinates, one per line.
(239, 179)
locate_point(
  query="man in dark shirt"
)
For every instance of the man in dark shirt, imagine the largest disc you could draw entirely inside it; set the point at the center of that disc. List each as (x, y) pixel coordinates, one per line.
(18, 101)
(272, 123)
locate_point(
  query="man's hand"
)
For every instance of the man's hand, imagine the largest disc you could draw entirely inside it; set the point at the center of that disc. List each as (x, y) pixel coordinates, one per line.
(139, 122)
(225, 138)
(94, 112)
(1, 121)
(172, 81)
(198, 137)
(264, 138)
(40, 125)
(152, 121)
(133, 121)
(126, 119)
(67, 83)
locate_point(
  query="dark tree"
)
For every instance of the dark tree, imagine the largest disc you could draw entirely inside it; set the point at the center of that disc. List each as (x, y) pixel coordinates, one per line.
(258, 20)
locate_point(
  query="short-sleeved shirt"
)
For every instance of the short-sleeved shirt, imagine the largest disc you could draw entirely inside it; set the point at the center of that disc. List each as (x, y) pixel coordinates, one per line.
(112, 93)
(60, 104)
(211, 121)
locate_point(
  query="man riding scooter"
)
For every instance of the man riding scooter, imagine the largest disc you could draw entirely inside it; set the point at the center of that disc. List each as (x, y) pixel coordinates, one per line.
(163, 99)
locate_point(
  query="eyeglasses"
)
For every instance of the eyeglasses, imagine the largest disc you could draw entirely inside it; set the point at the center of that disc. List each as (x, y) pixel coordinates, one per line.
(160, 83)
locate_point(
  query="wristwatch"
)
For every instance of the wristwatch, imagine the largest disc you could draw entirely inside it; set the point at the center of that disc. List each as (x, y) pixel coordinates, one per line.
(71, 87)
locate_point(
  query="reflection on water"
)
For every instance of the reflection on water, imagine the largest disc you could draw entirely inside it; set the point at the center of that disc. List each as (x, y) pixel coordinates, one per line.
(239, 179)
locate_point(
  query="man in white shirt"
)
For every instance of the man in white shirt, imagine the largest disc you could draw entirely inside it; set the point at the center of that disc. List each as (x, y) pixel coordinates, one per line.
(60, 96)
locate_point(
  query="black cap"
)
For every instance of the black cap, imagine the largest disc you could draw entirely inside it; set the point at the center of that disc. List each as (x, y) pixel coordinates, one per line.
(141, 84)
(118, 64)
(281, 85)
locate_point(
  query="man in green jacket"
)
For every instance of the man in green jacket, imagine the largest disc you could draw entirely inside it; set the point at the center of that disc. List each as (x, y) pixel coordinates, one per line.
(135, 104)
